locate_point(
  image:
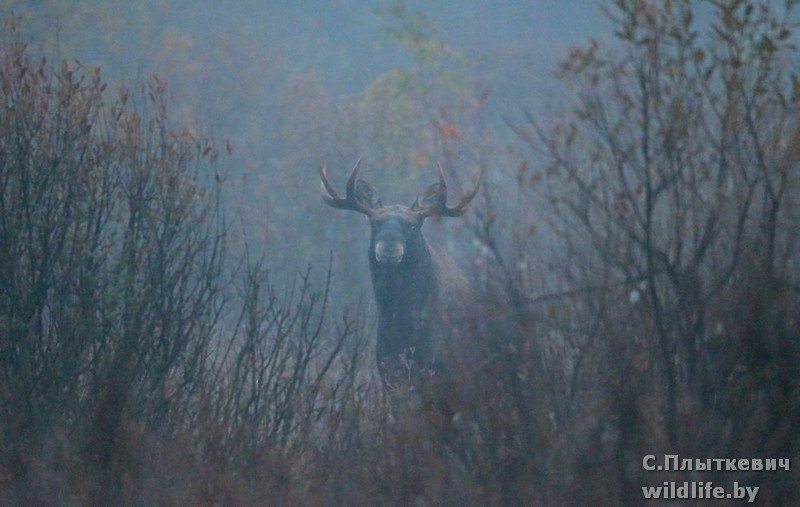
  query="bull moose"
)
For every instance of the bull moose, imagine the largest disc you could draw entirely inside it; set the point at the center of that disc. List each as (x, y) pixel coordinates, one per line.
(415, 284)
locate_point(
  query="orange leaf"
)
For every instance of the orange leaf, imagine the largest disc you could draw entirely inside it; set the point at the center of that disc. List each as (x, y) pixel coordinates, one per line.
(449, 130)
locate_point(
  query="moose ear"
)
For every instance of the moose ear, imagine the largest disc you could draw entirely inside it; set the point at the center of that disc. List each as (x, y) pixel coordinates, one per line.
(366, 194)
(431, 197)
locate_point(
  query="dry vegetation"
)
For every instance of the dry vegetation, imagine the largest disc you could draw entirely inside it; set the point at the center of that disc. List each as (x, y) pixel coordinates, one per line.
(141, 362)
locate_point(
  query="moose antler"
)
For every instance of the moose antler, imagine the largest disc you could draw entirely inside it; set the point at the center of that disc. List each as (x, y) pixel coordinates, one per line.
(350, 202)
(439, 207)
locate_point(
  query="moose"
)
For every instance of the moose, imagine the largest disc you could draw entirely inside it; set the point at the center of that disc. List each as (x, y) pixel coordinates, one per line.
(415, 284)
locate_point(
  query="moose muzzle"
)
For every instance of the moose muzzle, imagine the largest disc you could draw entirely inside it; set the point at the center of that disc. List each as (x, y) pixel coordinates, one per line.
(389, 252)
(389, 243)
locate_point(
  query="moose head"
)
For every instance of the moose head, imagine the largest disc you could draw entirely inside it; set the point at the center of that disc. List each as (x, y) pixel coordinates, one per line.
(395, 227)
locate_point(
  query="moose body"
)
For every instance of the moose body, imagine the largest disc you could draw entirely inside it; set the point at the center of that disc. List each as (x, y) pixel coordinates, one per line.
(416, 286)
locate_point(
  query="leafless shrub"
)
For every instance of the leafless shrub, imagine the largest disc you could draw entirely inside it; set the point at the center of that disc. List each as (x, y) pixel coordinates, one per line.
(651, 310)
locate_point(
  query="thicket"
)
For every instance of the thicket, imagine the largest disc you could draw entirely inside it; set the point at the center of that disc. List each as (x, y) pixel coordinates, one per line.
(640, 292)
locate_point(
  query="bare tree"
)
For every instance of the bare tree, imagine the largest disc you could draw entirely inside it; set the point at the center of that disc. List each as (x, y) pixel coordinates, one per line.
(669, 183)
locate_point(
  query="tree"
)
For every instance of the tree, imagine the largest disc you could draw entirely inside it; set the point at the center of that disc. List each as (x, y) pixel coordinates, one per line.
(674, 179)
(116, 286)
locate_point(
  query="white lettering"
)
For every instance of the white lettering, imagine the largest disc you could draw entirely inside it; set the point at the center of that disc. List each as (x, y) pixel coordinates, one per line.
(671, 462)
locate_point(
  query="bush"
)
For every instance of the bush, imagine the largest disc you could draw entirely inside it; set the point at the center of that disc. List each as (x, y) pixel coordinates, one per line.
(143, 362)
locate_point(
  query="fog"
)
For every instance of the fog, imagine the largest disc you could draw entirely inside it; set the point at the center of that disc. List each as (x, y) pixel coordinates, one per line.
(184, 320)
(275, 81)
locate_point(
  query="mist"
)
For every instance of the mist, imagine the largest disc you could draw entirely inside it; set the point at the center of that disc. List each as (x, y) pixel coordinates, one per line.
(187, 317)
